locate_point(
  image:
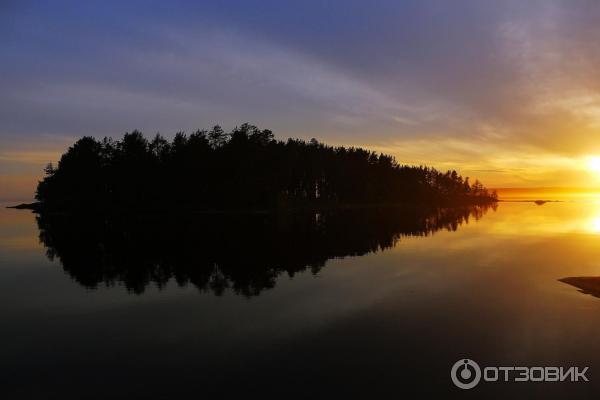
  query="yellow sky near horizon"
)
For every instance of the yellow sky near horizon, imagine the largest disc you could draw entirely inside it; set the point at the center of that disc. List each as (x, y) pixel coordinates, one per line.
(504, 92)
(22, 168)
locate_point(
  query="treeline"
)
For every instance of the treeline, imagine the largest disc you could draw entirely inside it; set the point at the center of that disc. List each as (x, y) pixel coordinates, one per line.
(243, 169)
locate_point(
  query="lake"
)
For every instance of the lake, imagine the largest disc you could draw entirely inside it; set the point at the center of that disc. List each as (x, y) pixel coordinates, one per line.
(353, 304)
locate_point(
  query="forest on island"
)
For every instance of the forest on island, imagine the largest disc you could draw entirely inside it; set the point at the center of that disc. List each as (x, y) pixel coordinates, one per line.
(246, 168)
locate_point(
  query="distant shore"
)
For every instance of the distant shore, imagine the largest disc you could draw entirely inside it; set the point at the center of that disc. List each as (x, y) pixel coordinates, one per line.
(538, 202)
(36, 206)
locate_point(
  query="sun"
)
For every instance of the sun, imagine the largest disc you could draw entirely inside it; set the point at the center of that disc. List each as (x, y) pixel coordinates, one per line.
(594, 163)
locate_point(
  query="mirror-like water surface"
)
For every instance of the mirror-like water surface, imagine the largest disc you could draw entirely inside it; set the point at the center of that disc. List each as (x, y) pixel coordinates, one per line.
(349, 304)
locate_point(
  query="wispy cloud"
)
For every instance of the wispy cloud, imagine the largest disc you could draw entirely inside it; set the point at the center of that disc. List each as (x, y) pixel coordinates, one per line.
(507, 91)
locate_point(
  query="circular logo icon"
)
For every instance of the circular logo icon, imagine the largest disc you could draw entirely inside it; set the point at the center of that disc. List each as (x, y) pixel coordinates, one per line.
(465, 374)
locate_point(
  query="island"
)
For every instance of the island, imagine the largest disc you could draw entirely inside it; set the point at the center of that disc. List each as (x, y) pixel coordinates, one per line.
(246, 169)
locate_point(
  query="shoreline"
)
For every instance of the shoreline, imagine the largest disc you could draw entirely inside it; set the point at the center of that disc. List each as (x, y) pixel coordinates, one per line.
(38, 207)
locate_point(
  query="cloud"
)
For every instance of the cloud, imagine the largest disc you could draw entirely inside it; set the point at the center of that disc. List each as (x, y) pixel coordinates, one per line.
(482, 86)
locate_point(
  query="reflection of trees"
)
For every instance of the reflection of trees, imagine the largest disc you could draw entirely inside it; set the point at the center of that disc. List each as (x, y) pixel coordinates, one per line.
(244, 253)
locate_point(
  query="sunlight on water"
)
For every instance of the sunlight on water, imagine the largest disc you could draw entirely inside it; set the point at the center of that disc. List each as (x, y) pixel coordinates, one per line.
(492, 285)
(594, 225)
(564, 212)
(554, 194)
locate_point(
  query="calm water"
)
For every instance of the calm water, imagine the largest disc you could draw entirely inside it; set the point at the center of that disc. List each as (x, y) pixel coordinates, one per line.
(344, 306)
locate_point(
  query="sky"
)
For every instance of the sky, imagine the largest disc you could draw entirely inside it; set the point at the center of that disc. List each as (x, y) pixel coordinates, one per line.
(504, 91)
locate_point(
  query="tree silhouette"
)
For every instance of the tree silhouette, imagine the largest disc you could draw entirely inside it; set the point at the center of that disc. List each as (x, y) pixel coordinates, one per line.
(242, 170)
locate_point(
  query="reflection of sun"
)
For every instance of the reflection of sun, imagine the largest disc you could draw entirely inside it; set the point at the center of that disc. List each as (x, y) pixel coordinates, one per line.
(594, 163)
(595, 225)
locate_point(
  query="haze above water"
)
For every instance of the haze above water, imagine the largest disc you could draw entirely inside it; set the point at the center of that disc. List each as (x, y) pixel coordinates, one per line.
(374, 313)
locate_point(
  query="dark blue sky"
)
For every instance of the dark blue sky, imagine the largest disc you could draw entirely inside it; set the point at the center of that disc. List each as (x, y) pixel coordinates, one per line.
(504, 90)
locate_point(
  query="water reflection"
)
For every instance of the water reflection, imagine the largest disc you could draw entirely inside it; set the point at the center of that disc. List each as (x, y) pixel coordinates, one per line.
(243, 253)
(595, 224)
